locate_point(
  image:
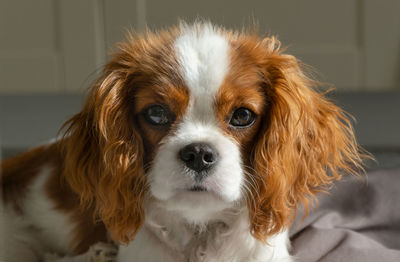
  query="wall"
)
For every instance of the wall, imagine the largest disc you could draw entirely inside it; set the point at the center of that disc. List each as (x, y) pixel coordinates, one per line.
(60, 45)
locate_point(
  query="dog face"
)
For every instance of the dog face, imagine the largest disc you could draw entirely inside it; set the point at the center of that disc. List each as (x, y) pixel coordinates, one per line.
(202, 119)
(198, 162)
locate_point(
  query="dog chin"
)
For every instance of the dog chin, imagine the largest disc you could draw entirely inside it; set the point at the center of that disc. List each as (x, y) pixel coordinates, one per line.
(196, 206)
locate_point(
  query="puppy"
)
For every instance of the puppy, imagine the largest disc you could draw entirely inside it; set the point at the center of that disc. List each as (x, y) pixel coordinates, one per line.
(195, 144)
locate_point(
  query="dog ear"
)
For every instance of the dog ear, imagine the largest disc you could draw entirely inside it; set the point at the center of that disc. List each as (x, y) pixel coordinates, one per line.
(305, 143)
(104, 154)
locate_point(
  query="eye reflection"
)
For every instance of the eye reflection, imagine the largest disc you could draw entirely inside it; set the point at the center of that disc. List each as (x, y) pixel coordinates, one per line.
(157, 115)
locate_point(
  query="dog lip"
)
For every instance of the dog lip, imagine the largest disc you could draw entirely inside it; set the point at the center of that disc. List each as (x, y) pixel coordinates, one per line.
(198, 189)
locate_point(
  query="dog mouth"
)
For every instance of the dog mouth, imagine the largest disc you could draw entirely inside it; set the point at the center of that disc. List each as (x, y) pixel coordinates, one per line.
(198, 189)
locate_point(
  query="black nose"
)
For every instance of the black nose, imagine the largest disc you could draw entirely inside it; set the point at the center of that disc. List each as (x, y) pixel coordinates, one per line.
(198, 156)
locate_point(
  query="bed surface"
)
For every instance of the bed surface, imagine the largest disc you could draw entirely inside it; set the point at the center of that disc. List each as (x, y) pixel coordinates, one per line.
(358, 221)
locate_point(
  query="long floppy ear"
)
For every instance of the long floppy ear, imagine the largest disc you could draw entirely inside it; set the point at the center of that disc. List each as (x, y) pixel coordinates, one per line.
(104, 154)
(305, 143)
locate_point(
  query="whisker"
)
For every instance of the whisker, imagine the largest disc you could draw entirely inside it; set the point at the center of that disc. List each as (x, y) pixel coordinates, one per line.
(254, 172)
(249, 195)
(252, 185)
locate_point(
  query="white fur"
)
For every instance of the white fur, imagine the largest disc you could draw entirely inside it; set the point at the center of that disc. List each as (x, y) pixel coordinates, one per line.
(40, 228)
(170, 179)
(53, 225)
(40, 231)
(166, 237)
(203, 54)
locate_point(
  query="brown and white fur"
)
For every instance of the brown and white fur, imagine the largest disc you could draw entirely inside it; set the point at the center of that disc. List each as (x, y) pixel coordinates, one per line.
(268, 142)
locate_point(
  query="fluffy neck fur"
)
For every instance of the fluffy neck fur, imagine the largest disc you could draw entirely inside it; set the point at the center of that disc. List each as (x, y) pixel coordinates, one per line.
(225, 237)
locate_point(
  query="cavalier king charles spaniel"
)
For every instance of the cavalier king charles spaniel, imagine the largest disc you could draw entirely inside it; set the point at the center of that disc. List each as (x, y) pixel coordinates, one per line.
(195, 144)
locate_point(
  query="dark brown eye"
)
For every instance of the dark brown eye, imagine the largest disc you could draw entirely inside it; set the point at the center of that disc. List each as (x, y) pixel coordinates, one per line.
(157, 115)
(242, 117)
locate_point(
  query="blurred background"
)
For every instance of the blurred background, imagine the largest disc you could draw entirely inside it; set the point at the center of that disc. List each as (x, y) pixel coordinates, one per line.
(51, 50)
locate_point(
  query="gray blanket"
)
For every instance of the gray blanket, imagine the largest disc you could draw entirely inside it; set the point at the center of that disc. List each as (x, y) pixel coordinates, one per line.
(358, 221)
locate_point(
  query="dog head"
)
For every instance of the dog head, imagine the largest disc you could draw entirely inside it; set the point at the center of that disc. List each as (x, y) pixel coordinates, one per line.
(203, 119)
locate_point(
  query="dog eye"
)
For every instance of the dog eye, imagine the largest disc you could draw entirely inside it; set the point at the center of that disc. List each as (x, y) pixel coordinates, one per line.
(157, 115)
(242, 117)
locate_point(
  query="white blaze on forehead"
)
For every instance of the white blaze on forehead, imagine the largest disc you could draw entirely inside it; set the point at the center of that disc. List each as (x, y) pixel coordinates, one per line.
(203, 56)
(202, 53)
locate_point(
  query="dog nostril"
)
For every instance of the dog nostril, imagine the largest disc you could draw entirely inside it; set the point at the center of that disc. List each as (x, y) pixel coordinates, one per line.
(208, 158)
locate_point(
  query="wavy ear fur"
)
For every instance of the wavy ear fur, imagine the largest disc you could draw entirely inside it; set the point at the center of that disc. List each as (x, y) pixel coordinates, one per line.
(104, 154)
(306, 143)
(104, 150)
